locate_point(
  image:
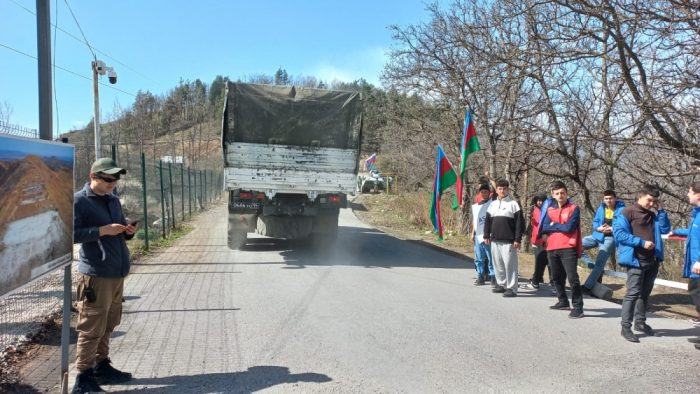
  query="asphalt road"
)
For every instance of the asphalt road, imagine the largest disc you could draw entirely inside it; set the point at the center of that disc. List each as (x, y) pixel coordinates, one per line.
(381, 315)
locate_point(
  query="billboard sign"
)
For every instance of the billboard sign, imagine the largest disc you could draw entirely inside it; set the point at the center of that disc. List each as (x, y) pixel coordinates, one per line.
(36, 209)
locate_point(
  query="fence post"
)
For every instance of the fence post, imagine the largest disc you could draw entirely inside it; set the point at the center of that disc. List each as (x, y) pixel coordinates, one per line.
(114, 157)
(182, 182)
(145, 197)
(172, 200)
(162, 196)
(201, 190)
(195, 190)
(189, 189)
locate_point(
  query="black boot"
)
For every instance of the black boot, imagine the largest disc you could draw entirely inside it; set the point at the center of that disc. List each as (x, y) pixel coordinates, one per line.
(643, 327)
(85, 383)
(629, 335)
(105, 373)
(480, 281)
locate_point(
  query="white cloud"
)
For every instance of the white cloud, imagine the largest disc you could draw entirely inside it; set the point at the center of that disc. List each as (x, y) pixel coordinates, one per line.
(367, 64)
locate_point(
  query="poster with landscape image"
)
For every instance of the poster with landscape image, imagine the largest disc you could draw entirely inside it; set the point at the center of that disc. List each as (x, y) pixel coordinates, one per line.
(36, 209)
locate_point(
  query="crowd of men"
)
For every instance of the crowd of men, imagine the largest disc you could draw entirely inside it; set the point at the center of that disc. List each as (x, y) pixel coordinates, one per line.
(634, 231)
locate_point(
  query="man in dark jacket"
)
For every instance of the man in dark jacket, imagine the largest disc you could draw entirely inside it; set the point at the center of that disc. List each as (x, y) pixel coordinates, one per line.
(637, 232)
(99, 225)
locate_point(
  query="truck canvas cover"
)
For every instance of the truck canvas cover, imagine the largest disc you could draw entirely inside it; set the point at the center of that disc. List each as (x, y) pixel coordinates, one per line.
(289, 139)
(292, 115)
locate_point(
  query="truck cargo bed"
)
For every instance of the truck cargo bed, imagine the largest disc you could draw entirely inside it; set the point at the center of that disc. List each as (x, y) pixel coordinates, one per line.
(290, 169)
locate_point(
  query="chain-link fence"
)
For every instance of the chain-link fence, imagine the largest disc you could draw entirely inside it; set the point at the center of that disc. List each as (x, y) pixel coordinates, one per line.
(161, 191)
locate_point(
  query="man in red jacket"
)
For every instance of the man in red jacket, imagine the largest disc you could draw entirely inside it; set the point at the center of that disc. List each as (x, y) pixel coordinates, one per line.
(561, 227)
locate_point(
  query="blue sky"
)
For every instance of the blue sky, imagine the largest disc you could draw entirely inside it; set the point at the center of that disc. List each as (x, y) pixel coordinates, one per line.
(169, 40)
(36, 147)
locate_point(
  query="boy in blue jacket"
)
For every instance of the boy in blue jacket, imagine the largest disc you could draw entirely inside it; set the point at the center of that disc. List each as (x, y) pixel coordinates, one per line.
(692, 253)
(637, 233)
(602, 238)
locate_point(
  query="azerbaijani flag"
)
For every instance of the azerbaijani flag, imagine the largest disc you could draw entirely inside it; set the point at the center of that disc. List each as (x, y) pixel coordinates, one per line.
(470, 144)
(445, 176)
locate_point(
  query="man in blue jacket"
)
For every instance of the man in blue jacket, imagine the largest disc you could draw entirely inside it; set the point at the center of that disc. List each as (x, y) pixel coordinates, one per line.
(602, 238)
(691, 270)
(99, 225)
(637, 233)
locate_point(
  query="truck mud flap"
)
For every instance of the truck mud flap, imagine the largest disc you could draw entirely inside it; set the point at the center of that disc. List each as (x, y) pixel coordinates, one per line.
(244, 222)
(289, 227)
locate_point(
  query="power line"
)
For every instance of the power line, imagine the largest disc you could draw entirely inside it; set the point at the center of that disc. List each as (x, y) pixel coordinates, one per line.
(81, 30)
(96, 50)
(66, 70)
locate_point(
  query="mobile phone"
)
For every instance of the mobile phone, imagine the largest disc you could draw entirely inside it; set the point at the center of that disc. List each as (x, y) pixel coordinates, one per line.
(133, 222)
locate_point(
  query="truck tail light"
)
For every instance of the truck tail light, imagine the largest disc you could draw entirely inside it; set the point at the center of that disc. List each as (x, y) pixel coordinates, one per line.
(334, 199)
(245, 196)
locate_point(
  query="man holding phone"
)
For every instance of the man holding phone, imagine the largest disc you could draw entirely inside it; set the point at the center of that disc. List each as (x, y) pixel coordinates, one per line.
(637, 232)
(99, 225)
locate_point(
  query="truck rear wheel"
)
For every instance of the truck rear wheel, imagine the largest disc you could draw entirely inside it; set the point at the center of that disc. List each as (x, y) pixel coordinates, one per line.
(237, 239)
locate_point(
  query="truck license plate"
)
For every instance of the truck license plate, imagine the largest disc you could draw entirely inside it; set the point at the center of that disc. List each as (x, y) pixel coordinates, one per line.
(246, 205)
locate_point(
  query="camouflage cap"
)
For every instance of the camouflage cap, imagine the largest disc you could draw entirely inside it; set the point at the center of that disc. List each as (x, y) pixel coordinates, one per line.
(106, 166)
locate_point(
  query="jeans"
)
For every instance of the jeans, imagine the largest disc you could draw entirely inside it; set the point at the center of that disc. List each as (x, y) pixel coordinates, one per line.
(605, 249)
(482, 251)
(564, 263)
(640, 283)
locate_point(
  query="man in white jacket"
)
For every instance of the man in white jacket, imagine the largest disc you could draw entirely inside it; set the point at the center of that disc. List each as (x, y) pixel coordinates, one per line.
(503, 230)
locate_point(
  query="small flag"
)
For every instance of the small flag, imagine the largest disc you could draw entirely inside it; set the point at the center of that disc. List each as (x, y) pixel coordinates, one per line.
(371, 159)
(445, 176)
(470, 144)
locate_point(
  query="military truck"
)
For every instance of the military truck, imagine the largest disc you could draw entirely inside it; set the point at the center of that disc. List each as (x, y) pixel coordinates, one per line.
(291, 157)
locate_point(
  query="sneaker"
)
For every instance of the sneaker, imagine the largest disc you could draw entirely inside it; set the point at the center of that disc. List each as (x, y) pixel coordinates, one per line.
(531, 286)
(487, 277)
(561, 306)
(553, 292)
(493, 282)
(697, 346)
(696, 322)
(643, 327)
(105, 373)
(694, 340)
(85, 383)
(479, 281)
(509, 293)
(629, 335)
(499, 289)
(576, 314)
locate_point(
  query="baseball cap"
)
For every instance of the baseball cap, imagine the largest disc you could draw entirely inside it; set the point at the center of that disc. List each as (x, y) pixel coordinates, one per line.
(107, 166)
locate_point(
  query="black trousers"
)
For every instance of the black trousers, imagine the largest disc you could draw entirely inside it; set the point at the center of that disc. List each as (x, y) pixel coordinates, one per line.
(541, 262)
(694, 290)
(564, 263)
(640, 283)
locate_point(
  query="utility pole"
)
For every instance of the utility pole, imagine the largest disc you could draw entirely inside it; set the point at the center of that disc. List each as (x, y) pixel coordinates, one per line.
(99, 68)
(43, 34)
(96, 119)
(43, 30)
